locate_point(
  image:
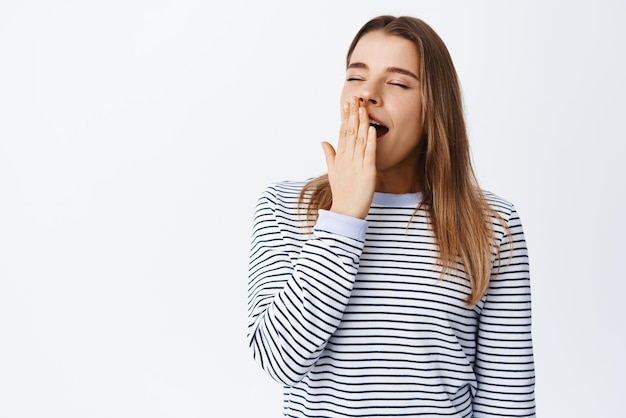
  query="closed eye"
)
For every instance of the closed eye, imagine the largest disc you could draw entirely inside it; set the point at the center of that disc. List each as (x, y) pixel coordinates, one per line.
(404, 86)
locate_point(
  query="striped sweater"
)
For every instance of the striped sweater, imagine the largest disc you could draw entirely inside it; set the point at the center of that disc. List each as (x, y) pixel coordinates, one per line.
(354, 318)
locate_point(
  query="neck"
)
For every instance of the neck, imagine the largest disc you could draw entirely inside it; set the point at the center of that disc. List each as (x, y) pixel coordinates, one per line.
(397, 184)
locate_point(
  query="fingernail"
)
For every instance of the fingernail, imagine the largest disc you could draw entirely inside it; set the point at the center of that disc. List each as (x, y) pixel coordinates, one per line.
(346, 106)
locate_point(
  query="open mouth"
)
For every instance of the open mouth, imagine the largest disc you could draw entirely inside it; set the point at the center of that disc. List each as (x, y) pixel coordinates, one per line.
(380, 129)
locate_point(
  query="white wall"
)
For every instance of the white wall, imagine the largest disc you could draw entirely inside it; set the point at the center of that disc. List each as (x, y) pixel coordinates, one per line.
(135, 137)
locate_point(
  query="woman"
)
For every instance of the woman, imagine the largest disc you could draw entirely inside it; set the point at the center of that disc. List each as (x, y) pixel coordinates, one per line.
(393, 285)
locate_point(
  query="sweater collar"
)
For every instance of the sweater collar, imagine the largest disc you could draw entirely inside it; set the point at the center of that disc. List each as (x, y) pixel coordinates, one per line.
(402, 199)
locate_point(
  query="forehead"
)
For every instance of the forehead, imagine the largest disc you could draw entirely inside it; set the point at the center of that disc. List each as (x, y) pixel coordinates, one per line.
(378, 48)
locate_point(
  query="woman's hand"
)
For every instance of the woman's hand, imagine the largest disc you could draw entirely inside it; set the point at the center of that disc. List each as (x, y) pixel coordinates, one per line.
(352, 168)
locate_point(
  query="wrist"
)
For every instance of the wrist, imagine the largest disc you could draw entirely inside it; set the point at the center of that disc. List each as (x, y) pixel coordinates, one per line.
(349, 211)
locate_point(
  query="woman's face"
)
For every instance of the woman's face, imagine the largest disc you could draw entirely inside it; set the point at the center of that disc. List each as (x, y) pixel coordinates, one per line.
(383, 71)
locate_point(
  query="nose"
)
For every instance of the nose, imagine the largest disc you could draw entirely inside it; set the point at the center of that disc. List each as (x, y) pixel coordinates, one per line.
(370, 94)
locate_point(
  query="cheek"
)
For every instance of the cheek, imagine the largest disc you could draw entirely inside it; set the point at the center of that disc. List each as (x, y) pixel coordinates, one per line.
(342, 100)
(345, 95)
(412, 117)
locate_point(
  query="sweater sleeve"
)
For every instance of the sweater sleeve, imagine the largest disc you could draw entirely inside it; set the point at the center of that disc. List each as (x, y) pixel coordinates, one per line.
(297, 296)
(504, 364)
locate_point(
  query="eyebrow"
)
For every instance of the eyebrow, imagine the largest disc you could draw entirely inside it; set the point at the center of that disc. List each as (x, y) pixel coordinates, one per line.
(388, 69)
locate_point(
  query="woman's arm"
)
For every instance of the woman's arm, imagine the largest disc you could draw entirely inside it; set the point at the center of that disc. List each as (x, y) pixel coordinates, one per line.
(504, 364)
(296, 296)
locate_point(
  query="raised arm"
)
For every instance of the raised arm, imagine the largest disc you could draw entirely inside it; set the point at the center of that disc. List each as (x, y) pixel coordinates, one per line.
(297, 291)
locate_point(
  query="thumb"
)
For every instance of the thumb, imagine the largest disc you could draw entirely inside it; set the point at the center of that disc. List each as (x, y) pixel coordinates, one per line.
(329, 153)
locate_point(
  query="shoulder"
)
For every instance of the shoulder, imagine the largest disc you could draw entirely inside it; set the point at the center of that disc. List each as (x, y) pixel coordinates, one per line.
(279, 203)
(503, 213)
(282, 197)
(500, 205)
(283, 191)
(504, 217)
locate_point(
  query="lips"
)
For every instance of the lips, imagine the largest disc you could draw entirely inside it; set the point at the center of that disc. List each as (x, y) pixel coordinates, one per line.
(380, 128)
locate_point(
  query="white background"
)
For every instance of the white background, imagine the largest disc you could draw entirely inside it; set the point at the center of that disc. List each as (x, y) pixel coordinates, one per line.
(135, 137)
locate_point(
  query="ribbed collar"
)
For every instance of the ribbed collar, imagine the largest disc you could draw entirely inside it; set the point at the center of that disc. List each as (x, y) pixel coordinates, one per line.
(391, 199)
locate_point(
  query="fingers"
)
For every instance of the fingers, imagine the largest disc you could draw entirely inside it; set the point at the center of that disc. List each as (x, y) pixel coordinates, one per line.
(352, 169)
(353, 119)
(354, 127)
(364, 124)
(343, 132)
(329, 153)
(369, 157)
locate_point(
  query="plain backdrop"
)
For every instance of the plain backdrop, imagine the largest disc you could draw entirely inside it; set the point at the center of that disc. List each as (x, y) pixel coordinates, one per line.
(136, 136)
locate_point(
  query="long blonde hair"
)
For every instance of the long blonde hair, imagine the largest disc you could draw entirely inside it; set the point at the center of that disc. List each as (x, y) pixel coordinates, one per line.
(459, 213)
